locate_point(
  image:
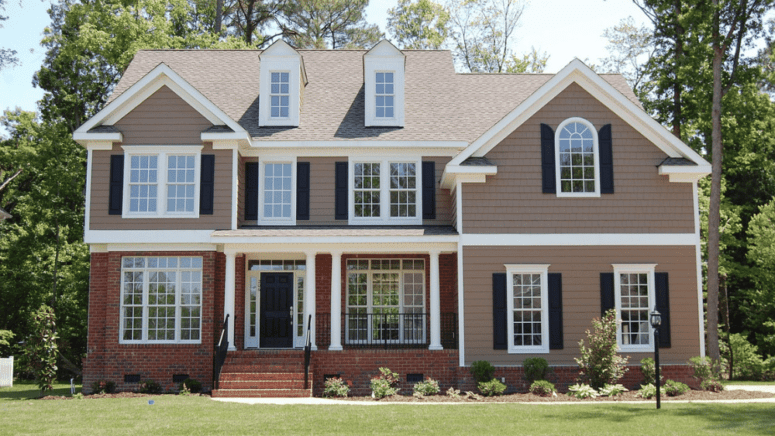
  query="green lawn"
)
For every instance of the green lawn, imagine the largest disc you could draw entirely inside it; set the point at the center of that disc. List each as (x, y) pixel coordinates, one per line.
(201, 415)
(745, 382)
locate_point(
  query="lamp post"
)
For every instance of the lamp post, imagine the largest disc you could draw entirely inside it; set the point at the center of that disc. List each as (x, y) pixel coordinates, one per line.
(656, 321)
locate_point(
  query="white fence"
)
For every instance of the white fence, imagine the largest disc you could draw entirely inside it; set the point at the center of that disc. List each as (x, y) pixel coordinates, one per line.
(6, 372)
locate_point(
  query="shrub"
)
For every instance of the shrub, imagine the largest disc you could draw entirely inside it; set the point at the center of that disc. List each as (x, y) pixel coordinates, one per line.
(711, 385)
(384, 385)
(41, 348)
(454, 393)
(647, 391)
(535, 368)
(491, 388)
(674, 388)
(649, 370)
(103, 387)
(542, 388)
(599, 364)
(612, 390)
(427, 387)
(473, 396)
(483, 371)
(191, 385)
(582, 391)
(747, 364)
(335, 387)
(702, 367)
(150, 387)
(769, 369)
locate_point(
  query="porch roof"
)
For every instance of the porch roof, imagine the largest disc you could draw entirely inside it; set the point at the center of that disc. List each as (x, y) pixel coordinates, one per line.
(334, 231)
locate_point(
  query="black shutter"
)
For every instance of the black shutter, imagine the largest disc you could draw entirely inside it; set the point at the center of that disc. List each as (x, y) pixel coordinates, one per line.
(606, 292)
(663, 306)
(499, 311)
(605, 148)
(251, 190)
(116, 195)
(555, 311)
(429, 190)
(547, 160)
(302, 190)
(206, 184)
(341, 191)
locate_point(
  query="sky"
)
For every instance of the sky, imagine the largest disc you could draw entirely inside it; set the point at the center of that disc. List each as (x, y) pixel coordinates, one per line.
(565, 29)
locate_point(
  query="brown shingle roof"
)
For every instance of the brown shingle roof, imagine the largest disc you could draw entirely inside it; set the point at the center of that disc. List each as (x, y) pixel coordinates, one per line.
(439, 104)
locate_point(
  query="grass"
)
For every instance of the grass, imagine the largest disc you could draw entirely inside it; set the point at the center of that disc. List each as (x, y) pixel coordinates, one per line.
(28, 390)
(200, 415)
(747, 382)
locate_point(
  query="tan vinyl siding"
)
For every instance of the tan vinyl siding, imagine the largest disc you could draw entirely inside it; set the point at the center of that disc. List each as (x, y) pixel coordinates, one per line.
(580, 268)
(322, 173)
(100, 220)
(163, 119)
(512, 201)
(444, 210)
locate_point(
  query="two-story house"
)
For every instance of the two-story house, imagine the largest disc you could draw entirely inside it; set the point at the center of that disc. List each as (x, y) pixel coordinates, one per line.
(396, 213)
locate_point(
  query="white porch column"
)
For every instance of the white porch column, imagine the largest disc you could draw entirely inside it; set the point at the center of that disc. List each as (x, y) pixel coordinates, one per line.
(336, 301)
(435, 303)
(309, 296)
(228, 299)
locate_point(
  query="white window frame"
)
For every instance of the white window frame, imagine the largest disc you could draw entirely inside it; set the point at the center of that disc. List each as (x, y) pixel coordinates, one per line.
(178, 305)
(647, 269)
(384, 194)
(262, 185)
(557, 167)
(543, 270)
(289, 95)
(161, 178)
(393, 94)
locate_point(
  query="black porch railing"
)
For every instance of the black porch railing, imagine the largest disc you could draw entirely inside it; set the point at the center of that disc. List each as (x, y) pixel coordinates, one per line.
(220, 352)
(386, 330)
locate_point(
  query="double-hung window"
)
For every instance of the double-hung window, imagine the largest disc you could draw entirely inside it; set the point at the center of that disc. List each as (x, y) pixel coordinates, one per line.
(278, 187)
(384, 95)
(577, 159)
(161, 183)
(385, 301)
(634, 295)
(161, 299)
(280, 95)
(527, 316)
(385, 191)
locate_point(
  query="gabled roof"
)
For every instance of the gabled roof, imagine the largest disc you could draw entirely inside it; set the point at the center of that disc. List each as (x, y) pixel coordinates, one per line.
(100, 126)
(620, 103)
(440, 104)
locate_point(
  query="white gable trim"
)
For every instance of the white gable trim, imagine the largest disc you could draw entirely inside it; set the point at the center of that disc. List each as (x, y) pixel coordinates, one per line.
(577, 72)
(160, 76)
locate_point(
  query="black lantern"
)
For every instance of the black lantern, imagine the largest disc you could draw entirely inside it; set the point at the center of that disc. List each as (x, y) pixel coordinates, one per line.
(656, 321)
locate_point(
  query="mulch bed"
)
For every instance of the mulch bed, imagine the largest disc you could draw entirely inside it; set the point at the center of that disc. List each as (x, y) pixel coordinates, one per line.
(116, 395)
(530, 398)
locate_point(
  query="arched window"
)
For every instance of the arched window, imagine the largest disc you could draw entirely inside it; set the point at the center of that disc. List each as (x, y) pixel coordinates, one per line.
(577, 159)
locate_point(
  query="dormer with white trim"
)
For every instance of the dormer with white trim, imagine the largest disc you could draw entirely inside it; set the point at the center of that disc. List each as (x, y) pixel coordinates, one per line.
(383, 78)
(282, 81)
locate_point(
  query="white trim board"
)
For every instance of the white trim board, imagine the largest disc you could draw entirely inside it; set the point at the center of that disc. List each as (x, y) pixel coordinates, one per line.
(147, 236)
(578, 239)
(577, 72)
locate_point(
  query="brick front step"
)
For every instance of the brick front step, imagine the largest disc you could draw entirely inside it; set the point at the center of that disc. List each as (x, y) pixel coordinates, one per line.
(262, 384)
(262, 376)
(262, 393)
(232, 368)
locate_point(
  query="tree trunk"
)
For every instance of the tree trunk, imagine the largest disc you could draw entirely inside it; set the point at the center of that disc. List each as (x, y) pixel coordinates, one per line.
(715, 192)
(218, 17)
(679, 32)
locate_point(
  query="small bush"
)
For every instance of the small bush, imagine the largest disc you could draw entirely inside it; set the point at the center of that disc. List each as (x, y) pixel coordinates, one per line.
(335, 387)
(453, 393)
(491, 388)
(582, 391)
(769, 369)
(612, 390)
(483, 371)
(649, 370)
(711, 385)
(747, 364)
(702, 367)
(647, 391)
(542, 388)
(473, 396)
(599, 363)
(535, 368)
(103, 387)
(384, 385)
(191, 386)
(150, 387)
(427, 387)
(674, 388)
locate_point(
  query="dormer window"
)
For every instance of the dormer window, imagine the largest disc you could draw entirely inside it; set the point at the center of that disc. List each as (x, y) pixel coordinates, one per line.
(383, 77)
(385, 95)
(280, 95)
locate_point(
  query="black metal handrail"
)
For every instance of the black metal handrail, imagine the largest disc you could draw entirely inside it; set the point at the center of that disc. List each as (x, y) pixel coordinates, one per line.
(220, 352)
(307, 353)
(387, 330)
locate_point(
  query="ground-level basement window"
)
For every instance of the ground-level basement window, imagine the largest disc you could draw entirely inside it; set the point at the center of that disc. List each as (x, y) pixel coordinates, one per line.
(161, 299)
